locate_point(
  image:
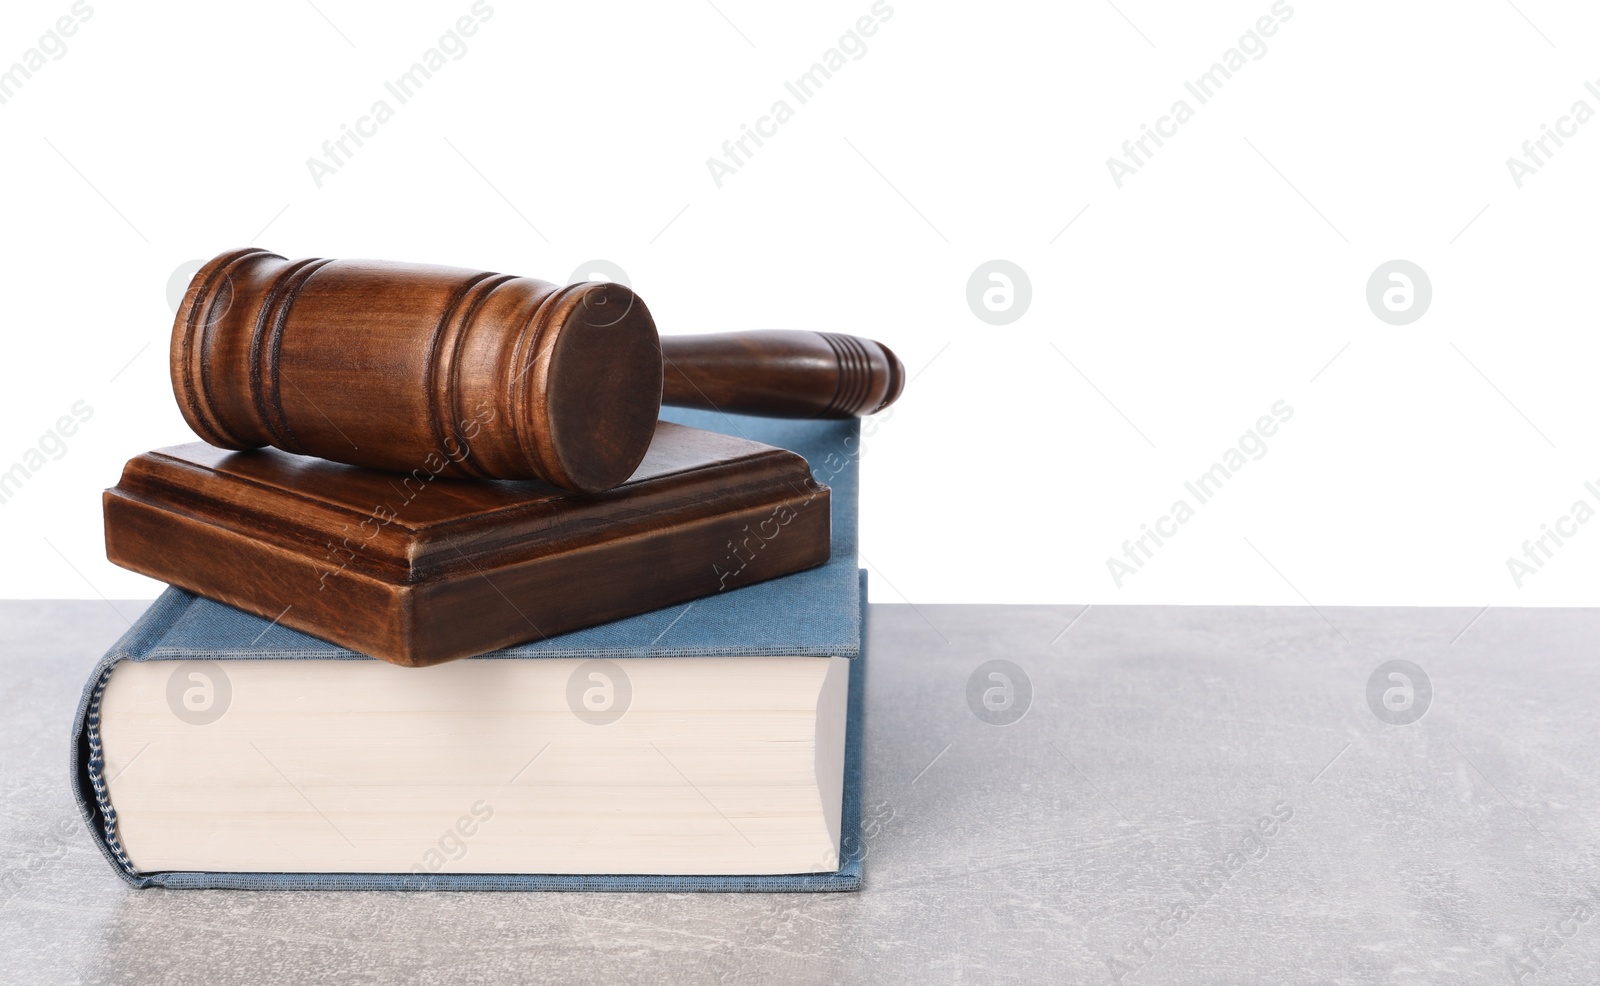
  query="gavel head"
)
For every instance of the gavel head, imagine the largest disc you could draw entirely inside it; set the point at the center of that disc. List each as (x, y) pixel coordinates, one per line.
(423, 370)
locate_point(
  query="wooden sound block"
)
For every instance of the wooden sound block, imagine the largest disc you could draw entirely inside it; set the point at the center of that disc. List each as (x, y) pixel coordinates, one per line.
(417, 569)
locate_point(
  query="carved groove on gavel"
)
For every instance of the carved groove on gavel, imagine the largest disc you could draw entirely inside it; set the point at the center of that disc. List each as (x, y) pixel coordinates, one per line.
(461, 373)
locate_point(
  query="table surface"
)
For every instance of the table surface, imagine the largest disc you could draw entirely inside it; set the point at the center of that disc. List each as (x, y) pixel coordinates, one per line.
(1195, 794)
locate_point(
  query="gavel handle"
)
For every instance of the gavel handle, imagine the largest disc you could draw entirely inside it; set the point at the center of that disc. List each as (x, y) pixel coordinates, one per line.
(780, 373)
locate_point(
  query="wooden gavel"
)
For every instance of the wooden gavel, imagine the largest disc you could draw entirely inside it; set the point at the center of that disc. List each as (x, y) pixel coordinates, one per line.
(472, 374)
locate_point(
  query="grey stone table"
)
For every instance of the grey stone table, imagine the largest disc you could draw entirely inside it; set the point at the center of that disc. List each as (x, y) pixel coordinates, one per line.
(1198, 795)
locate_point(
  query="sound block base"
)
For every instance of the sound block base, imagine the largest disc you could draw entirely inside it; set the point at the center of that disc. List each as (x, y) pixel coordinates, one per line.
(417, 569)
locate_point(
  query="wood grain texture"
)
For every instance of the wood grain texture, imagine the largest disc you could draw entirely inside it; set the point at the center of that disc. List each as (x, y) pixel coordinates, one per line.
(417, 569)
(385, 365)
(390, 365)
(781, 373)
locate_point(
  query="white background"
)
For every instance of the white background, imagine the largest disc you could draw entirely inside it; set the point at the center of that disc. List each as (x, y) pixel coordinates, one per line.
(1227, 274)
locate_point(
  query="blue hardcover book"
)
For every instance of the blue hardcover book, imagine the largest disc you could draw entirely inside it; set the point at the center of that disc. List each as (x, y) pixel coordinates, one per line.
(714, 746)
